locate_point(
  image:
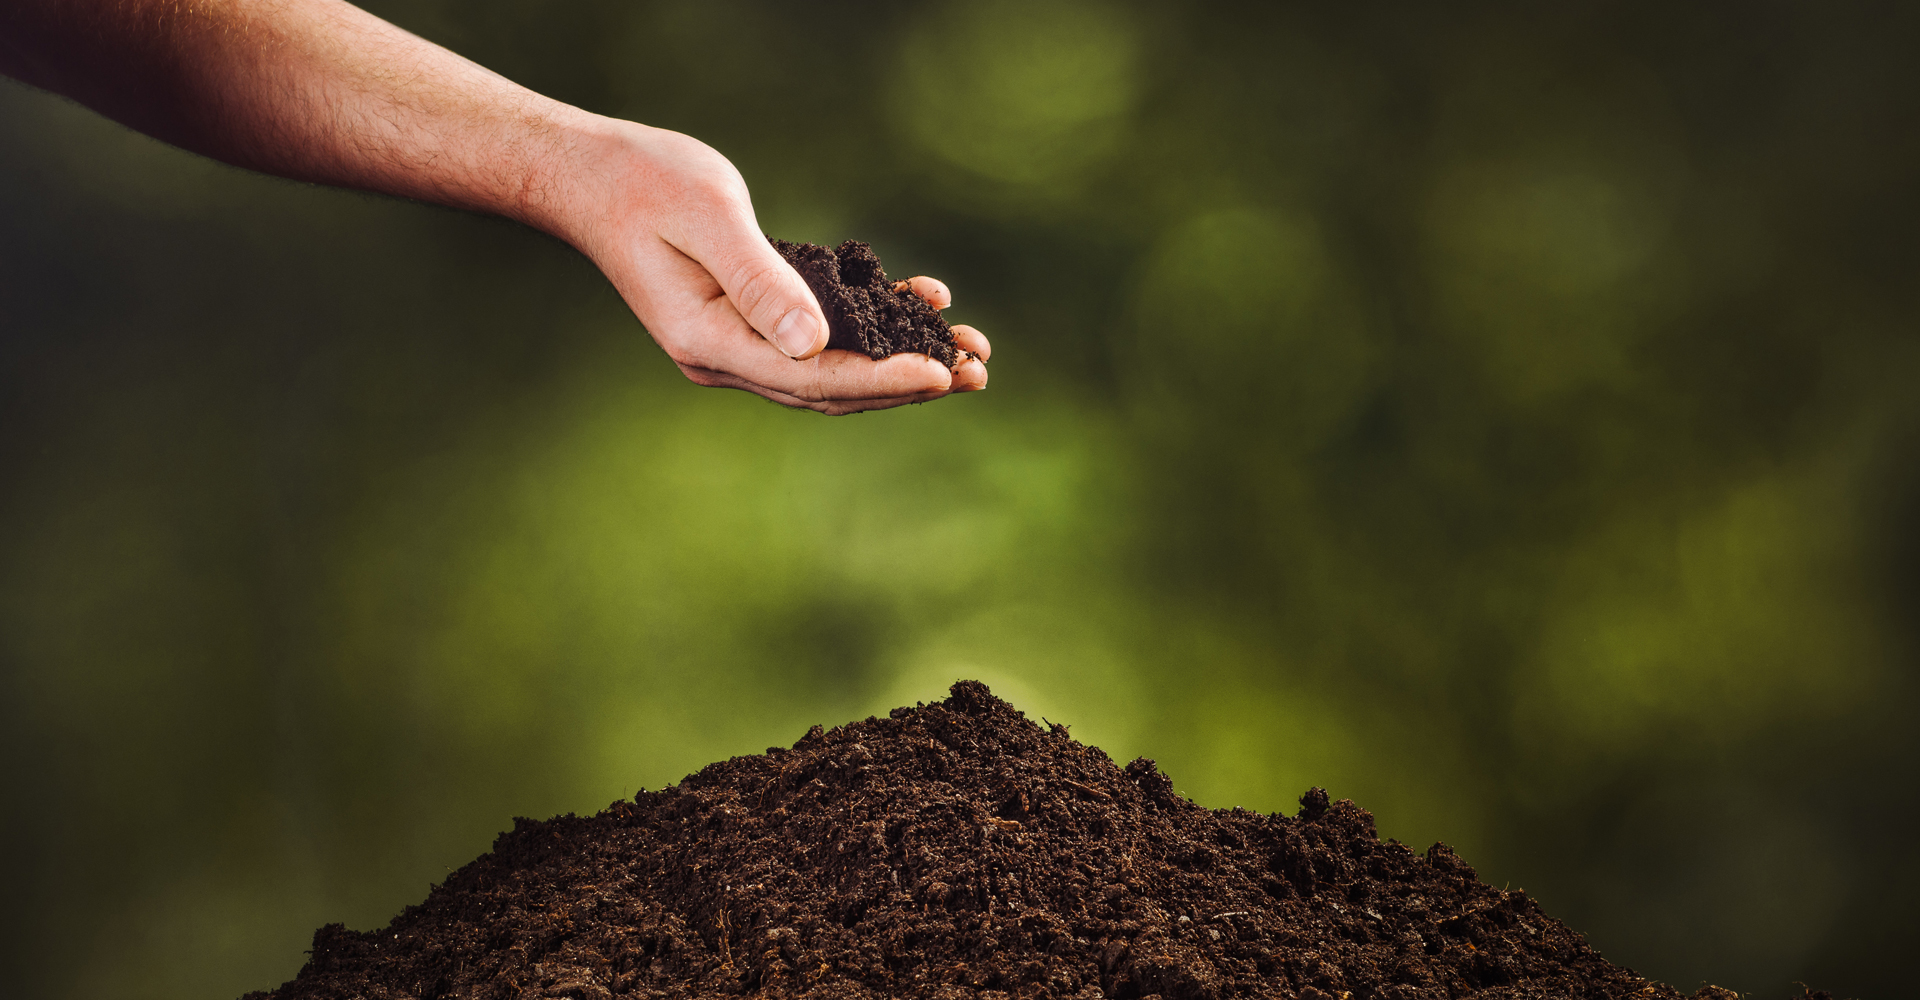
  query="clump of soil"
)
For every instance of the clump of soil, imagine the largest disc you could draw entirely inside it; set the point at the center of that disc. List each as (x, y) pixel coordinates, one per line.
(957, 850)
(865, 311)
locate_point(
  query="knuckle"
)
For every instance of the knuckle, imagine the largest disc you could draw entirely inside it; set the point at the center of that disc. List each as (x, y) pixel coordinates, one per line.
(714, 192)
(713, 178)
(815, 389)
(687, 353)
(700, 376)
(717, 188)
(755, 286)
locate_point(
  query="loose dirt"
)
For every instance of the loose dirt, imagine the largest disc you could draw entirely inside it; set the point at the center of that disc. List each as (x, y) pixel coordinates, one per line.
(865, 311)
(958, 850)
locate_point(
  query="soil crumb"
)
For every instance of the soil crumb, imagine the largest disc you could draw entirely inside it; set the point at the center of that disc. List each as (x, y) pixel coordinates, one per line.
(958, 850)
(865, 311)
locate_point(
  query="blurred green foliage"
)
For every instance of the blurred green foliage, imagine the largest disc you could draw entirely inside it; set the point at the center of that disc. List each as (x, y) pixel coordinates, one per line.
(1501, 415)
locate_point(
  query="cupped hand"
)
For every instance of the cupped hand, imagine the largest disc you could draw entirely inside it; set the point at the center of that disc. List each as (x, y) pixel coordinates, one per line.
(669, 221)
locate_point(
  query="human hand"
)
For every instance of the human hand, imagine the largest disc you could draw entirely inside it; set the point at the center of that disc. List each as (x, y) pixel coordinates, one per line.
(669, 221)
(339, 96)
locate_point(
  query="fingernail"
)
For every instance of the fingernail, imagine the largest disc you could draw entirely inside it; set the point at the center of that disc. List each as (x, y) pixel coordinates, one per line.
(797, 331)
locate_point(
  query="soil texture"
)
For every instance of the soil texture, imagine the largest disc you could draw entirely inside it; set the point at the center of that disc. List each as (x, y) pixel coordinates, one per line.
(958, 850)
(866, 312)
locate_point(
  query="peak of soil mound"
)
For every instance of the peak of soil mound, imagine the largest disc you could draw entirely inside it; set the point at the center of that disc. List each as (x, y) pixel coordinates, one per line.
(958, 850)
(866, 312)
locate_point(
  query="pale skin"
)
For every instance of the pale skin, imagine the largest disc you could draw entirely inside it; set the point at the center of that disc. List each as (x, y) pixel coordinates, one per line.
(319, 90)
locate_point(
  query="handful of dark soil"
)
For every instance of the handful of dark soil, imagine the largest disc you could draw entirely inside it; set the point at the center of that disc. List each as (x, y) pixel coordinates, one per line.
(866, 312)
(958, 850)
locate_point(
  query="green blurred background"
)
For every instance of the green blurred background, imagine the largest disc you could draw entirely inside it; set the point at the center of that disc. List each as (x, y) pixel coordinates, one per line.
(1502, 415)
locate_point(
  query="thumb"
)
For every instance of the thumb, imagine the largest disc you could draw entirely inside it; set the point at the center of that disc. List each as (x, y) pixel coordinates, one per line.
(769, 294)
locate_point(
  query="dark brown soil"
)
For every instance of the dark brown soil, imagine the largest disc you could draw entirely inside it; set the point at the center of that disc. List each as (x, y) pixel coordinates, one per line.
(865, 311)
(958, 850)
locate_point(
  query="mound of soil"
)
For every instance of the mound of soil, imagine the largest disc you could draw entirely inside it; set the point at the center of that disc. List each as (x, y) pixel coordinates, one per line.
(958, 850)
(865, 311)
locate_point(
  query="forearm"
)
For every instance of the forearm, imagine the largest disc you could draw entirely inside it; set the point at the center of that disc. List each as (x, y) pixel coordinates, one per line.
(315, 90)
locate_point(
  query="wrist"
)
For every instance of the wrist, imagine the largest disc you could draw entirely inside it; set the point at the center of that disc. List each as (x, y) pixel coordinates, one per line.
(572, 189)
